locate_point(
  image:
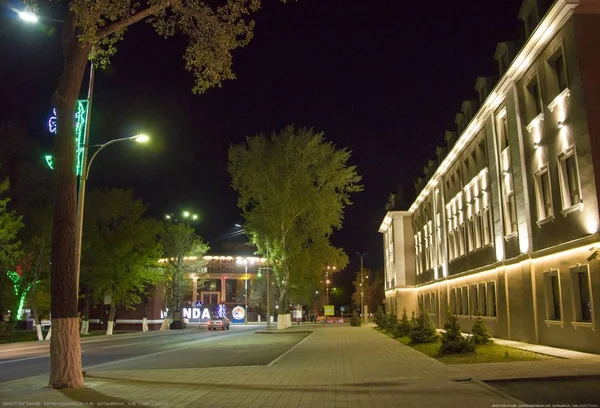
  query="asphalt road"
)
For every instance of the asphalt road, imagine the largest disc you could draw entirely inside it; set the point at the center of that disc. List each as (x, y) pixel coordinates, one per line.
(174, 349)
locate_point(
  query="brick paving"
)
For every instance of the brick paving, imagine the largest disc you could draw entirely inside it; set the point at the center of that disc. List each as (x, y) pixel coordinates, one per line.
(336, 366)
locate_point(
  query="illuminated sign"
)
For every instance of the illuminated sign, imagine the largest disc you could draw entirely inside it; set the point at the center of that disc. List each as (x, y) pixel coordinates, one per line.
(81, 116)
(238, 313)
(329, 310)
(222, 310)
(195, 313)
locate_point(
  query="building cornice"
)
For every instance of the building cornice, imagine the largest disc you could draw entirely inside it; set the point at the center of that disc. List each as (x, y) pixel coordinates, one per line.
(554, 19)
(389, 216)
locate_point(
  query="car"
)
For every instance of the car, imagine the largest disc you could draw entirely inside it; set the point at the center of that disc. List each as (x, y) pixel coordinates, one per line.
(218, 323)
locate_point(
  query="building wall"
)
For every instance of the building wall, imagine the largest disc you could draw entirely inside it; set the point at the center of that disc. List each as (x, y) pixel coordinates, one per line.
(504, 225)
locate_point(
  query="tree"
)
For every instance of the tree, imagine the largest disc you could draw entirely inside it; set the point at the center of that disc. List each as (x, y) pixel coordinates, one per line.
(31, 191)
(121, 249)
(10, 224)
(91, 30)
(184, 253)
(479, 331)
(373, 289)
(423, 330)
(292, 190)
(404, 326)
(453, 341)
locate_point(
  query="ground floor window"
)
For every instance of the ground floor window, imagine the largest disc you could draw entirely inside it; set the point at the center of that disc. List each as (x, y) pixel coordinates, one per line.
(553, 295)
(582, 295)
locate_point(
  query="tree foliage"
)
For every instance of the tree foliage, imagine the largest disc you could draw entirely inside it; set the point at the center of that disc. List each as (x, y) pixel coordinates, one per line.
(423, 330)
(120, 247)
(184, 252)
(292, 190)
(453, 341)
(479, 332)
(10, 224)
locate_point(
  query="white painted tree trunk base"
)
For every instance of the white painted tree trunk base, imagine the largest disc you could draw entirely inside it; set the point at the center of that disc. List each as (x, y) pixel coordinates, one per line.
(165, 324)
(288, 320)
(109, 328)
(49, 335)
(145, 324)
(86, 327)
(40, 335)
(280, 322)
(65, 354)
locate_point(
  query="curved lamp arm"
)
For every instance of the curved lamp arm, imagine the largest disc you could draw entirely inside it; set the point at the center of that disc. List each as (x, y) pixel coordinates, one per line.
(102, 146)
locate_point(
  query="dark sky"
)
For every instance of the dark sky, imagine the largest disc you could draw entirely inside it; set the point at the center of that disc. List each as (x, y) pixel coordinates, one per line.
(382, 78)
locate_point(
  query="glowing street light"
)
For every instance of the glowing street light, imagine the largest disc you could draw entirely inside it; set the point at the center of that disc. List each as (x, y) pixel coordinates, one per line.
(28, 16)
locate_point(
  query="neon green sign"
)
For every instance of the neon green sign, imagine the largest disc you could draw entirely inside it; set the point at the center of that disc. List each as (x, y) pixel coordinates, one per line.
(81, 117)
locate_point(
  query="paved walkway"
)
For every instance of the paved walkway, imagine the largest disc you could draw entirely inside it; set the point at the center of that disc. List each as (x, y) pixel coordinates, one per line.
(336, 366)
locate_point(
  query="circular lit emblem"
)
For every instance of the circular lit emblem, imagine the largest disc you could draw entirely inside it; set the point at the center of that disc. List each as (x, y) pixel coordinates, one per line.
(238, 313)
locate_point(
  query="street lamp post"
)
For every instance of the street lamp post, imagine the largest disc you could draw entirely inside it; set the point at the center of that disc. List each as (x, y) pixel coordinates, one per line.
(245, 262)
(85, 172)
(362, 290)
(242, 230)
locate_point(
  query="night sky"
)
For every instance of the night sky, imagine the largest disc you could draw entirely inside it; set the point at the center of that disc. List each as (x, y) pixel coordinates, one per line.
(382, 78)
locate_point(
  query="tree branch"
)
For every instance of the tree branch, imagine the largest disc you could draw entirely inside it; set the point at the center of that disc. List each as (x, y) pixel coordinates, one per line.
(119, 25)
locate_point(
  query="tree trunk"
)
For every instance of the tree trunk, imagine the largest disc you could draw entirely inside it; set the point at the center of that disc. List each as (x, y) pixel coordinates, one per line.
(65, 348)
(111, 317)
(36, 316)
(85, 324)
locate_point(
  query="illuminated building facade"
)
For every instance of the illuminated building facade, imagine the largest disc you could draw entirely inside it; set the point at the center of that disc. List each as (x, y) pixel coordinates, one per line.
(505, 223)
(222, 284)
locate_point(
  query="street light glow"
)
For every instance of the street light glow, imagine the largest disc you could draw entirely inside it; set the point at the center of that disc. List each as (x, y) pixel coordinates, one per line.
(186, 214)
(28, 16)
(141, 138)
(194, 217)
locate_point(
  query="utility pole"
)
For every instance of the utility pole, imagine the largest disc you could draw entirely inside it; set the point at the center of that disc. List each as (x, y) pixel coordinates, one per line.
(362, 290)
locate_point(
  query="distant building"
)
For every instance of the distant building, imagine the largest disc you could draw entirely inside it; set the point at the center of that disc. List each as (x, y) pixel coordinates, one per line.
(506, 218)
(225, 281)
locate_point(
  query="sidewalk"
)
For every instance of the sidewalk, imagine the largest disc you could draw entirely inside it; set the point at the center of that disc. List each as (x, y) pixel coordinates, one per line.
(336, 366)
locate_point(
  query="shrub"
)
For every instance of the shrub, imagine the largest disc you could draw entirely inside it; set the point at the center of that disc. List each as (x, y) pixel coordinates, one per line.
(479, 331)
(391, 322)
(380, 318)
(403, 327)
(453, 341)
(355, 320)
(423, 330)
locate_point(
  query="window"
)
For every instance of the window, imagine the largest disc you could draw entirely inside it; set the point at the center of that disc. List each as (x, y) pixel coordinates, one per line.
(569, 179)
(558, 71)
(490, 288)
(544, 194)
(510, 214)
(582, 295)
(585, 302)
(465, 300)
(552, 289)
(474, 300)
(482, 300)
(534, 98)
(486, 218)
(458, 302)
(453, 300)
(502, 131)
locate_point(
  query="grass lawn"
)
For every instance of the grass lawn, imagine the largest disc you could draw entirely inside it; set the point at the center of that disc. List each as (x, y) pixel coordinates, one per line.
(490, 353)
